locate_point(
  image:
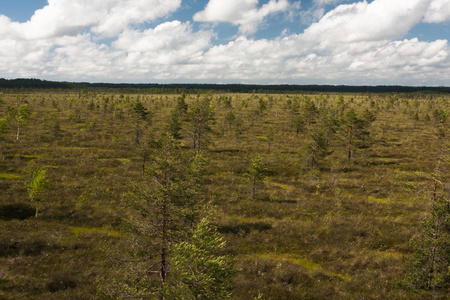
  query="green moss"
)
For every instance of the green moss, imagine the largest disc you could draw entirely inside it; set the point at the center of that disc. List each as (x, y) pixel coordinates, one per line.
(305, 263)
(378, 200)
(10, 176)
(280, 185)
(77, 231)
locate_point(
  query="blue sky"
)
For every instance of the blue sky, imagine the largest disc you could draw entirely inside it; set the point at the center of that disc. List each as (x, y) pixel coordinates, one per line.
(227, 41)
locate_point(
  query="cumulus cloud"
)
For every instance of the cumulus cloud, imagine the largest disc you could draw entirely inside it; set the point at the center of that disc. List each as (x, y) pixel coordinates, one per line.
(438, 11)
(168, 43)
(348, 45)
(380, 20)
(103, 17)
(396, 62)
(244, 13)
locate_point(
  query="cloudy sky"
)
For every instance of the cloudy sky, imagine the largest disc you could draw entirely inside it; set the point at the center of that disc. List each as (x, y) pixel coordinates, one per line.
(367, 42)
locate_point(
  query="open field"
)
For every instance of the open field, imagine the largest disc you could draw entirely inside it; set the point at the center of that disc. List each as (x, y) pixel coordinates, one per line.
(331, 219)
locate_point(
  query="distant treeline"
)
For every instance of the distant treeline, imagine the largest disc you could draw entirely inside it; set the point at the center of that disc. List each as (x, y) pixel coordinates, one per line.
(226, 88)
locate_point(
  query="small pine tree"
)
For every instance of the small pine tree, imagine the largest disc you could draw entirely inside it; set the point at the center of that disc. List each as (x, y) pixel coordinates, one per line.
(36, 184)
(3, 127)
(429, 268)
(317, 148)
(256, 173)
(198, 271)
(174, 124)
(21, 116)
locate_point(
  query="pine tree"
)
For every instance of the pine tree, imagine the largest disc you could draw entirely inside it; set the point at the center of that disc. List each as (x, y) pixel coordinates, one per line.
(141, 114)
(430, 266)
(256, 173)
(354, 131)
(198, 270)
(169, 203)
(200, 118)
(36, 184)
(174, 124)
(21, 116)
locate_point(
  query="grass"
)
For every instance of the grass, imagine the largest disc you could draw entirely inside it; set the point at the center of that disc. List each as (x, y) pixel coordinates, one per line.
(340, 230)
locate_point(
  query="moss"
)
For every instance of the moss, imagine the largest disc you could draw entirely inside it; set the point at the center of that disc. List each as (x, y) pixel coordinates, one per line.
(288, 187)
(378, 200)
(77, 231)
(309, 265)
(10, 176)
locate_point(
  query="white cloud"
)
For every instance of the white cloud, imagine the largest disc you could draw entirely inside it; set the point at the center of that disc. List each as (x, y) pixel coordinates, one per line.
(102, 17)
(380, 20)
(360, 43)
(438, 11)
(169, 43)
(244, 13)
(396, 62)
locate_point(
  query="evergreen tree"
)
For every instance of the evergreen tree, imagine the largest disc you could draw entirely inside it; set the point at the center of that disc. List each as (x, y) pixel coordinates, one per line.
(430, 266)
(21, 116)
(141, 114)
(36, 184)
(200, 117)
(317, 148)
(198, 270)
(174, 124)
(354, 131)
(256, 173)
(3, 128)
(169, 204)
(182, 107)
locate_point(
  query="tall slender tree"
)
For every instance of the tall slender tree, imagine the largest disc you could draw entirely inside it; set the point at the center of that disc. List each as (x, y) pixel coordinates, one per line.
(200, 118)
(354, 131)
(256, 172)
(168, 203)
(21, 116)
(429, 268)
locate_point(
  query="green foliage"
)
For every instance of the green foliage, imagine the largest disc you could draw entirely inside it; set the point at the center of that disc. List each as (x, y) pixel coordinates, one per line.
(174, 124)
(430, 266)
(198, 270)
(270, 135)
(168, 203)
(354, 131)
(3, 128)
(37, 183)
(256, 172)
(200, 118)
(140, 111)
(310, 111)
(440, 115)
(230, 118)
(318, 147)
(262, 108)
(182, 106)
(298, 122)
(21, 116)
(340, 101)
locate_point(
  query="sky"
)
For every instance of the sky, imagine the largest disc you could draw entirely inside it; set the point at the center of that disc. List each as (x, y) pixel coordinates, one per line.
(370, 42)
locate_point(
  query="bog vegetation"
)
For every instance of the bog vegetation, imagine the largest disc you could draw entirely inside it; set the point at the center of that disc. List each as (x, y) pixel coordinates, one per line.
(107, 195)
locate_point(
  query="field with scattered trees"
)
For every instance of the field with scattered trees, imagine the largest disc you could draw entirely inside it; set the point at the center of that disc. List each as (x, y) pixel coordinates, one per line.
(106, 194)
